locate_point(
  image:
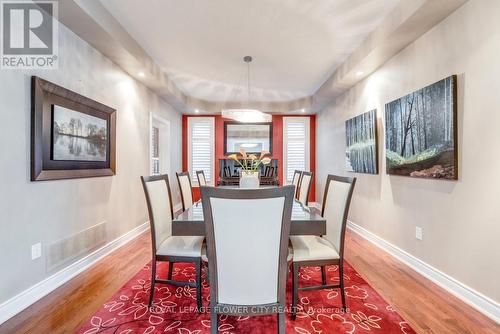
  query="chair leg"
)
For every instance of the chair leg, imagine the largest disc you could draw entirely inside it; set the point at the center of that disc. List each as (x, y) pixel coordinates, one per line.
(342, 292)
(198, 286)
(323, 275)
(281, 323)
(213, 322)
(295, 289)
(287, 271)
(153, 281)
(170, 270)
(207, 273)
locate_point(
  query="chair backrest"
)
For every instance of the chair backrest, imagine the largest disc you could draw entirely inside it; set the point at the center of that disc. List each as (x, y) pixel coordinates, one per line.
(295, 181)
(200, 175)
(336, 201)
(246, 265)
(159, 201)
(305, 187)
(184, 181)
(266, 171)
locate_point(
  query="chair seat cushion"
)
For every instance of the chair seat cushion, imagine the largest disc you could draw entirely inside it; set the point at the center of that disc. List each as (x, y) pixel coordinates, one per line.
(204, 256)
(312, 248)
(289, 257)
(181, 246)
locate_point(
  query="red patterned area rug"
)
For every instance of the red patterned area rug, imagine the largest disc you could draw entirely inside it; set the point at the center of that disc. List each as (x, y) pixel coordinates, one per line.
(174, 308)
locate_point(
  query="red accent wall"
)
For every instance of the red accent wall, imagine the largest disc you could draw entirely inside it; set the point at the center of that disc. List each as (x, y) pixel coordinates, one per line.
(277, 147)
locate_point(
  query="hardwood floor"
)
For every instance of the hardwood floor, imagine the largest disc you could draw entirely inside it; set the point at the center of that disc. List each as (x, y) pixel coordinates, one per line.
(428, 308)
(424, 305)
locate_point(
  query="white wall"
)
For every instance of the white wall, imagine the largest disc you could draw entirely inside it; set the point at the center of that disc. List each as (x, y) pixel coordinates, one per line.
(460, 220)
(32, 212)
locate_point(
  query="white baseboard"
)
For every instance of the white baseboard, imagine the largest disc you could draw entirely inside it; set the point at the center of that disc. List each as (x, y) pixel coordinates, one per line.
(480, 302)
(16, 304)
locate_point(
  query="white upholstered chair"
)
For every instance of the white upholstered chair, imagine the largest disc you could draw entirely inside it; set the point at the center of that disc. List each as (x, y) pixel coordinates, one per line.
(328, 249)
(247, 266)
(184, 181)
(296, 181)
(166, 247)
(304, 187)
(200, 175)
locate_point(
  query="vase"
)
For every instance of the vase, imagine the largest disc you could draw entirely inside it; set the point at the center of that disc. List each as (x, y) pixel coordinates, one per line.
(249, 179)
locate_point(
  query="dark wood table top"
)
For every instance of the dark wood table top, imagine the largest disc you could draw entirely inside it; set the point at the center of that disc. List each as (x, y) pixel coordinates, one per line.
(305, 221)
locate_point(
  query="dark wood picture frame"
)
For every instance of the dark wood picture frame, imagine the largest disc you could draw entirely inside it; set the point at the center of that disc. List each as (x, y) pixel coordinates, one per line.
(44, 95)
(270, 124)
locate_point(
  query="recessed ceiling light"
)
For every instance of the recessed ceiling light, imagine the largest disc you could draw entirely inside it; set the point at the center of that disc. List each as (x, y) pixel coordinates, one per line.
(141, 74)
(197, 111)
(303, 110)
(360, 73)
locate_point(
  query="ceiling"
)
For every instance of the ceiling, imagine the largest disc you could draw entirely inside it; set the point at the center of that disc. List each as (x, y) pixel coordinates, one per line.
(296, 44)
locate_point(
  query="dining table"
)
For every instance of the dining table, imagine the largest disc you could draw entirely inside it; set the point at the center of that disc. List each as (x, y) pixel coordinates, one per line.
(305, 220)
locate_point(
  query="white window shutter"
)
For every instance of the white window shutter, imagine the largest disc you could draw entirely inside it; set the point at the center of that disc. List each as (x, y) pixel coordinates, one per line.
(155, 151)
(201, 152)
(296, 146)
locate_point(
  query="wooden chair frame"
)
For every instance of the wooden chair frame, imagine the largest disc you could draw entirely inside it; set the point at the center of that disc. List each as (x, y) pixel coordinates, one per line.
(171, 259)
(308, 187)
(198, 173)
(340, 261)
(180, 188)
(251, 310)
(298, 182)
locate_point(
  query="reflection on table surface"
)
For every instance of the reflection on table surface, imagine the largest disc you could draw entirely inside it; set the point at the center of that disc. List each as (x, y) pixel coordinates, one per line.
(299, 212)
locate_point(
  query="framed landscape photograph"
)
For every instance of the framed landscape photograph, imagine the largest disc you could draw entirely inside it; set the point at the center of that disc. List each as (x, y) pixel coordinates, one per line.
(361, 143)
(72, 136)
(77, 136)
(421, 132)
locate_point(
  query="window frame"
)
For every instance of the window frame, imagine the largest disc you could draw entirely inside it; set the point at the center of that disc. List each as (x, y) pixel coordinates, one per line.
(190, 125)
(307, 142)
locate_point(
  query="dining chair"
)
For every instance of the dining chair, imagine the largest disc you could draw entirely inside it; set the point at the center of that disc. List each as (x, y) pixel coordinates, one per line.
(266, 171)
(271, 172)
(200, 175)
(295, 181)
(166, 247)
(304, 187)
(184, 181)
(247, 267)
(328, 249)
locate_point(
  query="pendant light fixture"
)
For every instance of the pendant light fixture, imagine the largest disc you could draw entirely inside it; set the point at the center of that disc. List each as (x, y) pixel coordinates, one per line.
(247, 115)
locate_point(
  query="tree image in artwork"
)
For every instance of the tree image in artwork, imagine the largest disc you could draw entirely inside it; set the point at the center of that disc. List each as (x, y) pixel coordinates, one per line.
(78, 136)
(420, 132)
(361, 143)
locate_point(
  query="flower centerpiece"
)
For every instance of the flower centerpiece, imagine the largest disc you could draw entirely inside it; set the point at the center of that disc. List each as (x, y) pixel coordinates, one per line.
(250, 165)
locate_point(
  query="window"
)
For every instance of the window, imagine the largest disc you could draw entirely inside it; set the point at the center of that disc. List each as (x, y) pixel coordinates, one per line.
(295, 146)
(155, 151)
(159, 145)
(201, 153)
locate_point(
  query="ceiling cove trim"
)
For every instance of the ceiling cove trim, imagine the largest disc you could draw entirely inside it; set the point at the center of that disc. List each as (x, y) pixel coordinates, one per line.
(409, 20)
(403, 25)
